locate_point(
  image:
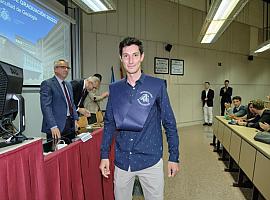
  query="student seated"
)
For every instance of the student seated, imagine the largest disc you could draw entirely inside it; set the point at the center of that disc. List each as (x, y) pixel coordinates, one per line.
(251, 116)
(238, 110)
(228, 111)
(261, 111)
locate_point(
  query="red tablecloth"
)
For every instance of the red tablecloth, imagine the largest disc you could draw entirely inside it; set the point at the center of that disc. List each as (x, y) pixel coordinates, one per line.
(21, 173)
(73, 173)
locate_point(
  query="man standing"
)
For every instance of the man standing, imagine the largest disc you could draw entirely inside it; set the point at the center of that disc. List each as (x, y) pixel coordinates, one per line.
(226, 94)
(92, 101)
(136, 107)
(81, 88)
(57, 105)
(207, 97)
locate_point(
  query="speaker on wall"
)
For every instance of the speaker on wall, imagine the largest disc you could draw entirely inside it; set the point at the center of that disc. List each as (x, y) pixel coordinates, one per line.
(168, 47)
(250, 57)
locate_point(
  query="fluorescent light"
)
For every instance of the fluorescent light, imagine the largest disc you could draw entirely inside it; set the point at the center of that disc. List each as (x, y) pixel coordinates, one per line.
(208, 38)
(219, 17)
(225, 9)
(214, 27)
(263, 47)
(93, 6)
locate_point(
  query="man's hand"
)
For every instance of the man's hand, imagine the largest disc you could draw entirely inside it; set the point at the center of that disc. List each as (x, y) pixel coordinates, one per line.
(55, 133)
(232, 116)
(104, 167)
(173, 168)
(264, 126)
(241, 123)
(105, 94)
(84, 112)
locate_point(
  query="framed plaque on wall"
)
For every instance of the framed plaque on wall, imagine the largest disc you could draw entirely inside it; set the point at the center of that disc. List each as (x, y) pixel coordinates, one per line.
(161, 65)
(177, 67)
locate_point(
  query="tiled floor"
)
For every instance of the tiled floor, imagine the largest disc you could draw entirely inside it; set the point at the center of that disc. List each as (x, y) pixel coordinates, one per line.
(202, 176)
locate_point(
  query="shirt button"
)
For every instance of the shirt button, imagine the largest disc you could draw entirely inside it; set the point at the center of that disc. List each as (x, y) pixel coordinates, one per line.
(133, 88)
(131, 139)
(130, 153)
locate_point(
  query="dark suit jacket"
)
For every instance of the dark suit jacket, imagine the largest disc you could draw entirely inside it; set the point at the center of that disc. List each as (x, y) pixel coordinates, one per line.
(78, 92)
(265, 117)
(226, 96)
(210, 97)
(53, 105)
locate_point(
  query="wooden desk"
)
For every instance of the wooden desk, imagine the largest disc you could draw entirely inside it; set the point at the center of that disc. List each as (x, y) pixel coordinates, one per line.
(252, 157)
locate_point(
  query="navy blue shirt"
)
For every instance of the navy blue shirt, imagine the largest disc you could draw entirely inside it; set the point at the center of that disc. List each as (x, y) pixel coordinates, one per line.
(140, 150)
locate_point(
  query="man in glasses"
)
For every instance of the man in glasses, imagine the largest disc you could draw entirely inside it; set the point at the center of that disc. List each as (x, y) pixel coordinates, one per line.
(81, 88)
(57, 104)
(93, 100)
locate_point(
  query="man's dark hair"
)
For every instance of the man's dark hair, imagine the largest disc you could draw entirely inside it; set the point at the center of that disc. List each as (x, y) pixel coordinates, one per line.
(237, 98)
(226, 81)
(98, 76)
(207, 82)
(128, 41)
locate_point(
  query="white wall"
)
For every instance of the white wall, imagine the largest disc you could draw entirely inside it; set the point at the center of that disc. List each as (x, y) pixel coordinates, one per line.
(158, 22)
(33, 116)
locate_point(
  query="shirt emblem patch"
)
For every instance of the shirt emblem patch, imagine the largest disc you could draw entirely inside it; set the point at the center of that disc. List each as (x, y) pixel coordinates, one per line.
(145, 98)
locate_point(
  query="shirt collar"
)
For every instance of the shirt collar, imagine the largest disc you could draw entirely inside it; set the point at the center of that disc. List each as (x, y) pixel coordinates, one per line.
(84, 83)
(140, 80)
(59, 79)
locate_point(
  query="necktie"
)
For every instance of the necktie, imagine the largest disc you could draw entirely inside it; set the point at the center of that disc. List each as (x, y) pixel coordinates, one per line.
(80, 104)
(67, 98)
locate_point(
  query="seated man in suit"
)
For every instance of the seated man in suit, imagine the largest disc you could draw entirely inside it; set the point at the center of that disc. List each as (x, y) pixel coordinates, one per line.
(259, 109)
(238, 110)
(57, 105)
(81, 88)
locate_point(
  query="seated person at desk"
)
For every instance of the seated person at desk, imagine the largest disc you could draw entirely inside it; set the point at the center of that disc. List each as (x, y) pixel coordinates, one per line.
(251, 116)
(259, 109)
(228, 110)
(92, 101)
(238, 110)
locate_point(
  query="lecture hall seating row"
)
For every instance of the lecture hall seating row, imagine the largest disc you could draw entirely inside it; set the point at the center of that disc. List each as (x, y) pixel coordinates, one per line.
(252, 157)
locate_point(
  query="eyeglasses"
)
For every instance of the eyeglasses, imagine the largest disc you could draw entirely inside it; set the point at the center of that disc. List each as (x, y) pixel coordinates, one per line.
(64, 67)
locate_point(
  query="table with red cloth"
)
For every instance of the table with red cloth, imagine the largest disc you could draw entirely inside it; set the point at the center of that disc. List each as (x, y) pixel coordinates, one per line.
(21, 171)
(72, 173)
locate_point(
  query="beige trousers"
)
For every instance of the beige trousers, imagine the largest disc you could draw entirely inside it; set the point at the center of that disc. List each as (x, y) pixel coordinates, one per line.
(151, 179)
